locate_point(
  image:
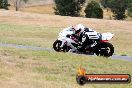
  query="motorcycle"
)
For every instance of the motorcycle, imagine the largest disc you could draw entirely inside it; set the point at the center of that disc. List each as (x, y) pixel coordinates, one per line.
(102, 47)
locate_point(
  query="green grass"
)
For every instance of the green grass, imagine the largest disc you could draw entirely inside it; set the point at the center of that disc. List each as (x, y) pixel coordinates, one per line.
(42, 69)
(28, 35)
(24, 68)
(45, 36)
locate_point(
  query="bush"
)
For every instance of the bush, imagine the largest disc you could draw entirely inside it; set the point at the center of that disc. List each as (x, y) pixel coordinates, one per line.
(129, 9)
(130, 12)
(104, 3)
(68, 7)
(93, 10)
(4, 4)
(118, 7)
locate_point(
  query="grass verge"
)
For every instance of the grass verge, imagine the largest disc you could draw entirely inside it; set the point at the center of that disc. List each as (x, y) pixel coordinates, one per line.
(42, 69)
(45, 36)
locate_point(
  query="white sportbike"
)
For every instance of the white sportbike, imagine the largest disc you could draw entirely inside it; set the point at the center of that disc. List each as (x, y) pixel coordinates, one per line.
(102, 47)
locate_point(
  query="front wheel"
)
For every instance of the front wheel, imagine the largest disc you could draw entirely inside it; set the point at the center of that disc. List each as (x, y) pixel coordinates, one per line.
(104, 49)
(56, 45)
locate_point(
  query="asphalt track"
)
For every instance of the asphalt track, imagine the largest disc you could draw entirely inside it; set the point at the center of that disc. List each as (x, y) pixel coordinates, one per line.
(127, 58)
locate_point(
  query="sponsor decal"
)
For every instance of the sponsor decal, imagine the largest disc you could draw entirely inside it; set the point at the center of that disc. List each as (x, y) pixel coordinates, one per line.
(83, 78)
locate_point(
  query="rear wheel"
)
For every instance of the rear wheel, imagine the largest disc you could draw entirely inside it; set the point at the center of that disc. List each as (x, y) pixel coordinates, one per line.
(105, 49)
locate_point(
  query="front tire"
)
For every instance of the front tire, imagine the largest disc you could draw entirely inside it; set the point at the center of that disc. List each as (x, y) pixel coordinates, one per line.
(104, 49)
(56, 45)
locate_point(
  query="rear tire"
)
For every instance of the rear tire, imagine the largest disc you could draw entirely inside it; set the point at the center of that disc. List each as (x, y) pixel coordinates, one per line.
(104, 49)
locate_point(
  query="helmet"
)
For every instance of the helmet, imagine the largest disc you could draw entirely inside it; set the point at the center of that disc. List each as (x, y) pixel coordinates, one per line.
(79, 29)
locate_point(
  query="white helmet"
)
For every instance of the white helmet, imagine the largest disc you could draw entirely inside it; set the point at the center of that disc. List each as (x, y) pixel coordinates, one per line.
(79, 29)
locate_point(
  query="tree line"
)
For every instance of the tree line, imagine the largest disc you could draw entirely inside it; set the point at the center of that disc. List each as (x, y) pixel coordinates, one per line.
(17, 3)
(93, 9)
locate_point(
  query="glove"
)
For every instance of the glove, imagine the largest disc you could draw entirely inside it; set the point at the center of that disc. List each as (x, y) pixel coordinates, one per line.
(68, 36)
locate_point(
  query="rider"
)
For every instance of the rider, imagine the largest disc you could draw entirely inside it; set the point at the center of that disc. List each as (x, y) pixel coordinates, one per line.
(66, 34)
(83, 35)
(86, 37)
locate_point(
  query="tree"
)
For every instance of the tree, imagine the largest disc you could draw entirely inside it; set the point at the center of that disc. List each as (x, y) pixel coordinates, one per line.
(93, 10)
(104, 3)
(68, 7)
(118, 7)
(4, 4)
(18, 3)
(129, 9)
